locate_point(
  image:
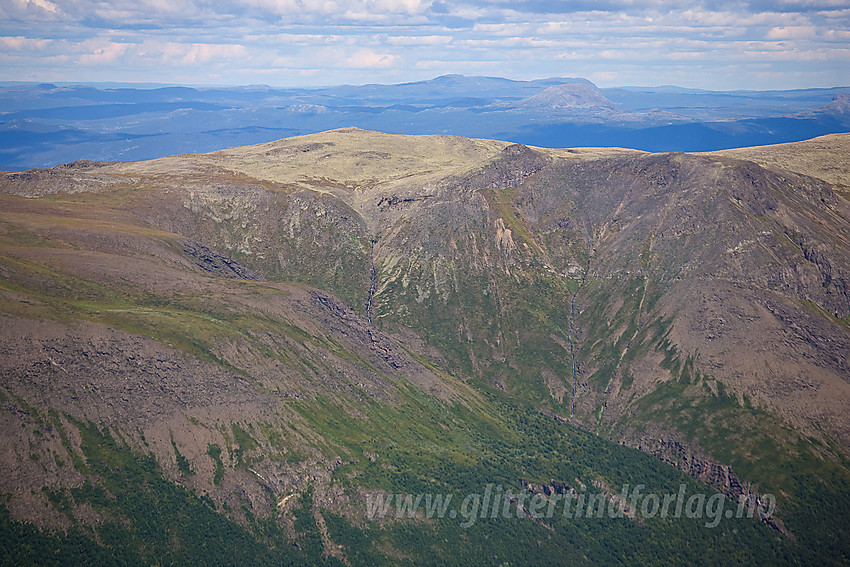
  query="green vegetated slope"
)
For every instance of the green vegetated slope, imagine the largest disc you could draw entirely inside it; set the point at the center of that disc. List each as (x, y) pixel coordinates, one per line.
(225, 358)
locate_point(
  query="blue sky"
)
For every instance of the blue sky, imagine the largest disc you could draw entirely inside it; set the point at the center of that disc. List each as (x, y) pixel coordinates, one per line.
(711, 44)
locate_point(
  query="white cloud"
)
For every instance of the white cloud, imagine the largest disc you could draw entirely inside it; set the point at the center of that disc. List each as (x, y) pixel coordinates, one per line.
(104, 53)
(791, 32)
(368, 59)
(18, 43)
(28, 11)
(45, 5)
(432, 40)
(203, 52)
(836, 35)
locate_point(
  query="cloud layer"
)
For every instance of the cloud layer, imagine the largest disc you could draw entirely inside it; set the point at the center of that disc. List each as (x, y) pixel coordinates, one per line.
(712, 44)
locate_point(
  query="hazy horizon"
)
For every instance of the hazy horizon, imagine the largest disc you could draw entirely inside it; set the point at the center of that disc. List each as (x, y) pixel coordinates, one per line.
(157, 85)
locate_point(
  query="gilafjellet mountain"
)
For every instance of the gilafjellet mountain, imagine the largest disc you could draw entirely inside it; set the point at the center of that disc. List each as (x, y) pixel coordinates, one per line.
(223, 358)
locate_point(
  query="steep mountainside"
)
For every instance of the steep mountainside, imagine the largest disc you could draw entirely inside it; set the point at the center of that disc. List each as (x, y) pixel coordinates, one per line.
(290, 328)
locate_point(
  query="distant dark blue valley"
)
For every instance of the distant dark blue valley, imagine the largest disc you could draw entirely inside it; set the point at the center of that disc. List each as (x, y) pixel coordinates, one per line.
(42, 125)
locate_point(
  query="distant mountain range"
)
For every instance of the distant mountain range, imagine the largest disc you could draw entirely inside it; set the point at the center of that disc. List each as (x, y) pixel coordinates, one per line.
(42, 125)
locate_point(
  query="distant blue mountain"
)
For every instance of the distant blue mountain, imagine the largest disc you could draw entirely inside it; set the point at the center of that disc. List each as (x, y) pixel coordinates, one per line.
(46, 124)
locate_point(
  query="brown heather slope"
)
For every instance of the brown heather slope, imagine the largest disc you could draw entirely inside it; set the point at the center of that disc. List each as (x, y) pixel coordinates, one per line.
(824, 157)
(696, 306)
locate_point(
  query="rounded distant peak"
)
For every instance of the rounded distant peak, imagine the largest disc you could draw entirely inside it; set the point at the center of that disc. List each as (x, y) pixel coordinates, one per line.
(840, 103)
(449, 77)
(569, 95)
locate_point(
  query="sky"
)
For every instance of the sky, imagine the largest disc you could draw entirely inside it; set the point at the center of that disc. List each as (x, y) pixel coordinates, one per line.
(710, 44)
